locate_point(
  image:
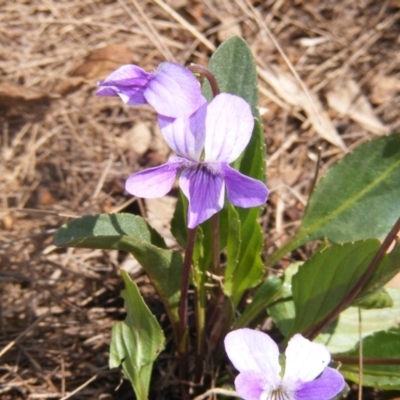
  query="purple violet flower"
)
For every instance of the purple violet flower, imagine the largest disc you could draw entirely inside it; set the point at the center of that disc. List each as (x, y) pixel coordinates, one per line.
(172, 89)
(306, 376)
(205, 142)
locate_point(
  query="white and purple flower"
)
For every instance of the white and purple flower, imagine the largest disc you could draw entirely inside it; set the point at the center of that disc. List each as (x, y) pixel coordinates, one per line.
(172, 90)
(205, 137)
(307, 377)
(205, 143)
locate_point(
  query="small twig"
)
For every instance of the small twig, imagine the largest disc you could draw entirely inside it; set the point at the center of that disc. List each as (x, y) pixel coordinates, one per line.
(210, 392)
(215, 245)
(103, 177)
(185, 24)
(37, 211)
(79, 388)
(22, 334)
(317, 168)
(360, 356)
(367, 361)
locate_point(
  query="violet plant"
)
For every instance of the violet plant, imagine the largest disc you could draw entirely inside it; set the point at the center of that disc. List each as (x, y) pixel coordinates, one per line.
(307, 375)
(216, 134)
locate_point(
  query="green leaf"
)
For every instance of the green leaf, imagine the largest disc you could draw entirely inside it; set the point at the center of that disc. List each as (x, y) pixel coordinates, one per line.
(383, 349)
(252, 162)
(268, 292)
(235, 70)
(178, 222)
(249, 269)
(379, 299)
(137, 341)
(343, 334)
(283, 313)
(233, 250)
(324, 280)
(358, 198)
(130, 233)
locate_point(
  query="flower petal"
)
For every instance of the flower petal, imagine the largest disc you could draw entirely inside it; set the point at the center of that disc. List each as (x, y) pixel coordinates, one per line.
(305, 360)
(185, 135)
(229, 125)
(154, 182)
(251, 350)
(205, 192)
(174, 91)
(326, 387)
(249, 385)
(242, 190)
(128, 82)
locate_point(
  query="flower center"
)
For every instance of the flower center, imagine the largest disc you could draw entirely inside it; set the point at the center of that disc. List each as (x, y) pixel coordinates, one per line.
(279, 393)
(211, 168)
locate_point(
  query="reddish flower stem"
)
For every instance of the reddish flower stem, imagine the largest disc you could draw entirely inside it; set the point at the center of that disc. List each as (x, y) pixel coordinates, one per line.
(183, 349)
(203, 71)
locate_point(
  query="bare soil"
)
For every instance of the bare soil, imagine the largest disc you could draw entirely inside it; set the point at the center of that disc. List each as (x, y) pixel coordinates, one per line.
(65, 152)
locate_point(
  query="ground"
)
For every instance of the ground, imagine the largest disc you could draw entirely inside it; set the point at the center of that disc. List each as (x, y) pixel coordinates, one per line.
(65, 152)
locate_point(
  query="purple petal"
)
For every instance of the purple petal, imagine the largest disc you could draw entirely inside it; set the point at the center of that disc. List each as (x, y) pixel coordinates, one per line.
(326, 387)
(251, 350)
(249, 385)
(174, 91)
(185, 135)
(205, 192)
(229, 125)
(305, 360)
(154, 182)
(242, 190)
(128, 82)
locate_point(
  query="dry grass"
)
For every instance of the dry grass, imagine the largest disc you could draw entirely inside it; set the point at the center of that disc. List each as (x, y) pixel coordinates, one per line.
(65, 152)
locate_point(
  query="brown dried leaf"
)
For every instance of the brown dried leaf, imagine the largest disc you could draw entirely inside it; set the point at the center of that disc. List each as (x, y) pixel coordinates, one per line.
(394, 3)
(7, 222)
(100, 62)
(44, 197)
(384, 89)
(139, 138)
(346, 98)
(12, 95)
(176, 4)
(68, 85)
(289, 90)
(159, 214)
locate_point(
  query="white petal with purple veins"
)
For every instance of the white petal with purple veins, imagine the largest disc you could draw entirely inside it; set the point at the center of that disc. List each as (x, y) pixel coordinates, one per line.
(229, 125)
(174, 91)
(185, 135)
(251, 350)
(305, 360)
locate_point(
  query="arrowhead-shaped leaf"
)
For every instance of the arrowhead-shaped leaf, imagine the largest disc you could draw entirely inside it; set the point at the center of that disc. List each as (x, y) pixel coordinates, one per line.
(137, 341)
(358, 198)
